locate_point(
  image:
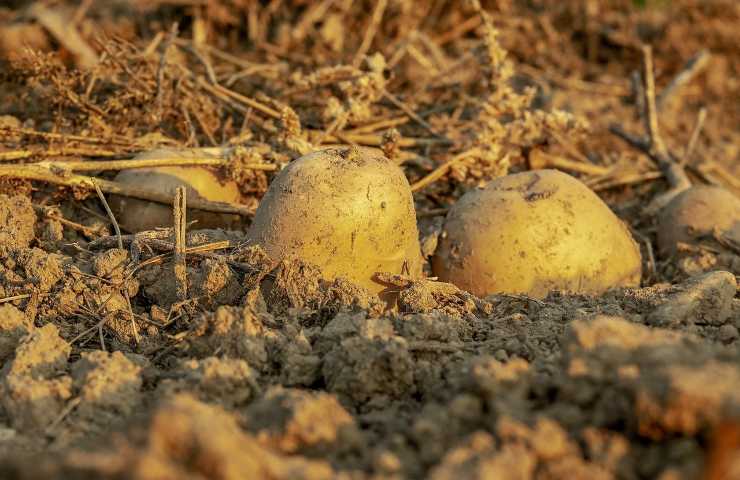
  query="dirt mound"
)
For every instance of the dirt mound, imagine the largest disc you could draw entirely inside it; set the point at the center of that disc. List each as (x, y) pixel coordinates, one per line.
(569, 384)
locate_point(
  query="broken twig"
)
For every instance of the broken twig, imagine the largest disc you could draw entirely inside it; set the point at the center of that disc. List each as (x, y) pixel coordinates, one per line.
(179, 267)
(653, 145)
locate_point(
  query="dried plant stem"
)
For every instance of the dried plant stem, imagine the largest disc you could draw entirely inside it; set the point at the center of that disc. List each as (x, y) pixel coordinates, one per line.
(623, 179)
(441, 170)
(250, 102)
(372, 29)
(654, 146)
(594, 88)
(651, 112)
(232, 59)
(570, 148)
(124, 287)
(112, 217)
(195, 50)
(724, 175)
(375, 140)
(43, 173)
(459, 30)
(158, 244)
(14, 298)
(539, 159)
(23, 154)
(152, 45)
(408, 111)
(89, 330)
(179, 267)
(91, 165)
(71, 405)
(701, 117)
(121, 141)
(378, 125)
(335, 125)
(693, 67)
(200, 250)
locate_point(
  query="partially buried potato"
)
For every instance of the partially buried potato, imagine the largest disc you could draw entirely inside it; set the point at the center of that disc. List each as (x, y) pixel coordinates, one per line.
(202, 182)
(347, 210)
(699, 212)
(534, 232)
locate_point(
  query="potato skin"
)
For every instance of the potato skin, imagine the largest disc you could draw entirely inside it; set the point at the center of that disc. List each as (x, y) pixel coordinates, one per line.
(349, 211)
(534, 232)
(695, 213)
(138, 215)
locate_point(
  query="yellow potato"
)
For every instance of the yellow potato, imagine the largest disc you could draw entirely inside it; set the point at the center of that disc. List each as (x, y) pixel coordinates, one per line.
(534, 232)
(349, 211)
(202, 183)
(697, 212)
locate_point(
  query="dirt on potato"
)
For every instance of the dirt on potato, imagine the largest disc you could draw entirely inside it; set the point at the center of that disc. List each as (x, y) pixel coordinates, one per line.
(188, 353)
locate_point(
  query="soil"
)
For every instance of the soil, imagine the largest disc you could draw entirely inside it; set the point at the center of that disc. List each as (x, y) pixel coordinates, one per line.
(266, 370)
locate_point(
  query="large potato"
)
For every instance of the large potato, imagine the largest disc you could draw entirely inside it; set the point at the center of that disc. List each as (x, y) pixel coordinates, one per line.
(350, 211)
(698, 212)
(202, 183)
(534, 232)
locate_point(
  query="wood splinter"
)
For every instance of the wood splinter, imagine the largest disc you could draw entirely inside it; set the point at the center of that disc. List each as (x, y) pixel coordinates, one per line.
(180, 267)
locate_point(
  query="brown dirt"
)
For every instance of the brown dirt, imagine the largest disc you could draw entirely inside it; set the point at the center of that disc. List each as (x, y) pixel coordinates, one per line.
(266, 370)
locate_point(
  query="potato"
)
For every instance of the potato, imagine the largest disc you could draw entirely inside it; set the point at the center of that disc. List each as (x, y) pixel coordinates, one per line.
(203, 183)
(17, 38)
(534, 232)
(697, 212)
(347, 210)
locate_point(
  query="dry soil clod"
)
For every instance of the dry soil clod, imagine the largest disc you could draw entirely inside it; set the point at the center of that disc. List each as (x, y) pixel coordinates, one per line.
(706, 299)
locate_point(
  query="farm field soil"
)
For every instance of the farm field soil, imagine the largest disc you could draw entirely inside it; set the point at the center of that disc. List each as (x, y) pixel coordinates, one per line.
(121, 362)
